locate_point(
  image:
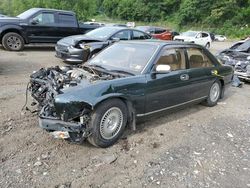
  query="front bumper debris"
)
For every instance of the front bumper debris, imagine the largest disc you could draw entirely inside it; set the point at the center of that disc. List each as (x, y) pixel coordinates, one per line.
(52, 124)
(60, 134)
(73, 131)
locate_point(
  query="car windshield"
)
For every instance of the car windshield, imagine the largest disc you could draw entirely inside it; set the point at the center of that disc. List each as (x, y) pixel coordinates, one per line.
(245, 46)
(102, 33)
(189, 34)
(126, 57)
(27, 14)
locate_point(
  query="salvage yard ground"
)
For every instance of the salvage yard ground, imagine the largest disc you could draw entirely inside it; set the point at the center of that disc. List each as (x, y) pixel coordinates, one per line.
(195, 147)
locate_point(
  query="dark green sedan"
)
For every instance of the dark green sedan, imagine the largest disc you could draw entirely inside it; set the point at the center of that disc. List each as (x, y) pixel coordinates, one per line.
(98, 100)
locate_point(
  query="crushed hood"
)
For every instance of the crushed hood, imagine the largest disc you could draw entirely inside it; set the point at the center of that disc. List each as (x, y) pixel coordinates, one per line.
(73, 40)
(46, 84)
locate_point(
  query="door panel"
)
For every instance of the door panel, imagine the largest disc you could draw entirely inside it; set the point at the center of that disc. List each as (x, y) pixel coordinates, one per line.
(166, 90)
(200, 76)
(42, 28)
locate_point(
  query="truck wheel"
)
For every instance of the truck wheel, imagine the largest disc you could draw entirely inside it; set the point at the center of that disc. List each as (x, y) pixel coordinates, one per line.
(214, 94)
(13, 42)
(108, 122)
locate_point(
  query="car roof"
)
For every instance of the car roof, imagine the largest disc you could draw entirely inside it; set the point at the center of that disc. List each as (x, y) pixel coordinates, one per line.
(197, 31)
(118, 28)
(151, 27)
(48, 9)
(161, 43)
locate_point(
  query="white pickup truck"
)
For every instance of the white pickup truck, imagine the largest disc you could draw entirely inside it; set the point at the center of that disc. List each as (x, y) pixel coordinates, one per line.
(197, 37)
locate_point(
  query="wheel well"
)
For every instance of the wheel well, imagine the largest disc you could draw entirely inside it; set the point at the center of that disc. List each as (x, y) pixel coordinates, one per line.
(13, 31)
(222, 88)
(222, 82)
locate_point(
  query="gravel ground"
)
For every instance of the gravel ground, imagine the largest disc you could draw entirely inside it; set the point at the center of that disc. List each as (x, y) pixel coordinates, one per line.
(194, 147)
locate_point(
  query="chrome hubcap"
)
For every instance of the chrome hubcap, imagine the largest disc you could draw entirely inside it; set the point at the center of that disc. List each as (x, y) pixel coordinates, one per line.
(14, 42)
(111, 123)
(214, 92)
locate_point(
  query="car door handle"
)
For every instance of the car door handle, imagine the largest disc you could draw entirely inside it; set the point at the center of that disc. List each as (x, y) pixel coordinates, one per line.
(184, 77)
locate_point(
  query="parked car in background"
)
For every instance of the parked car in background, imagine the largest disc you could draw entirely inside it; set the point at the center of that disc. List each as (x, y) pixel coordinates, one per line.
(126, 81)
(79, 48)
(242, 69)
(39, 25)
(239, 55)
(197, 37)
(239, 58)
(1, 15)
(158, 32)
(212, 36)
(238, 43)
(220, 38)
(115, 24)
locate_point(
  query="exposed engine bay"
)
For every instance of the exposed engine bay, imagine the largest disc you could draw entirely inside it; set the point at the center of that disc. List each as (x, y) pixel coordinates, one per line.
(47, 83)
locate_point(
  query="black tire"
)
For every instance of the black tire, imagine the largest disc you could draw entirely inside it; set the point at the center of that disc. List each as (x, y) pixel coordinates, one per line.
(212, 100)
(13, 42)
(101, 117)
(207, 46)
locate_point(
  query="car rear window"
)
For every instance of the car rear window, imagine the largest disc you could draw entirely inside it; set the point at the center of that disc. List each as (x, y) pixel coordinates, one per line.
(197, 58)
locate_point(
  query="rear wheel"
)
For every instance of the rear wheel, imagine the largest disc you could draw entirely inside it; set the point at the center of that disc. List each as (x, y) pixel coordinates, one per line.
(13, 42)
(108, 123)
(214, 94)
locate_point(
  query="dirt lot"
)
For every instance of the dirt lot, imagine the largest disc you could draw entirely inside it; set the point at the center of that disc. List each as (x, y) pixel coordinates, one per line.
(195, 147)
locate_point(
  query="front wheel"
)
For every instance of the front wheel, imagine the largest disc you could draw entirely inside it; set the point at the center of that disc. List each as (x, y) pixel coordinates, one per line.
(108, 122)
(13, 42)
(214, 94)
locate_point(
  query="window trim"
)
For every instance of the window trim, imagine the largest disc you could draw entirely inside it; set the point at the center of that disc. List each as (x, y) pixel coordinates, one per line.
(203, 52)
(130, 35)
(47, 12)
(145, 34)
(151, 69)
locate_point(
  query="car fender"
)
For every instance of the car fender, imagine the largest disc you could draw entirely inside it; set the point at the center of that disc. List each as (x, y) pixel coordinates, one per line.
(90, 95)
(95, 47)
(13, 28)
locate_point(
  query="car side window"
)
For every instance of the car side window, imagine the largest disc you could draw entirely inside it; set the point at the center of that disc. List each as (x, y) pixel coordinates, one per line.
(159, 31)
(123, 35)
(67, 20)
(198, 59)
(45, 18)
(203, 35)
(137, 35)
(175, 58)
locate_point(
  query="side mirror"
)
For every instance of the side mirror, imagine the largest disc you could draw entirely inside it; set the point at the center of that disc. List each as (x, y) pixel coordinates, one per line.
(162, 69)
(114, 39)
(34, 21)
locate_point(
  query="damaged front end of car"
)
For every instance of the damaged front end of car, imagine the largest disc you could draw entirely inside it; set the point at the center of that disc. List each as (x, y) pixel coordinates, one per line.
(64, 117)
(242, 70)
